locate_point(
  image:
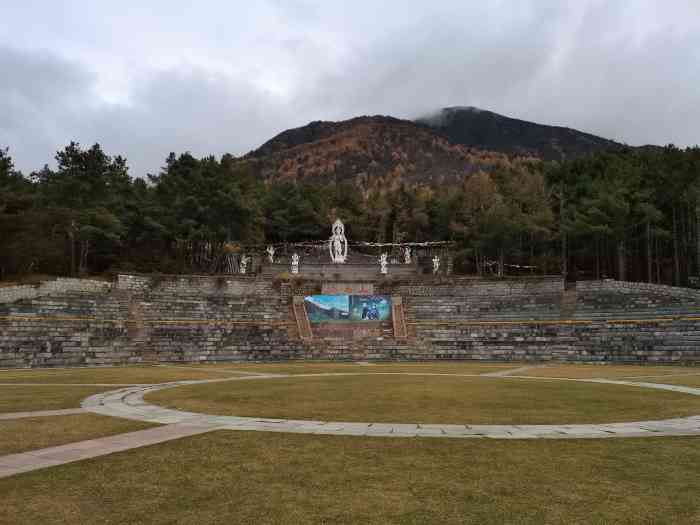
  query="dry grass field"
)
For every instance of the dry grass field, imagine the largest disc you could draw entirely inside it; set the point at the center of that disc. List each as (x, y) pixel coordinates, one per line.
(21, 435)
(227, 476)
(26, 398)
(267, 478)
(429, 399)
(107, 375)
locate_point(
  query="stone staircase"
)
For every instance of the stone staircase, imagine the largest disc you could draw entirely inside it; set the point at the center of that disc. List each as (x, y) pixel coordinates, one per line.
(567, 308)
(302, 319)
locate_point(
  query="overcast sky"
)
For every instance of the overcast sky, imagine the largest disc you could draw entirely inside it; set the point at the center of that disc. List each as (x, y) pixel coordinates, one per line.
(224, 76)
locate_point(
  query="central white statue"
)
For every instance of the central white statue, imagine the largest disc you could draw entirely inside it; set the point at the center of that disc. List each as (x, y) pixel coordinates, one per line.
(436, 264)
(383, 261)
(338, 244)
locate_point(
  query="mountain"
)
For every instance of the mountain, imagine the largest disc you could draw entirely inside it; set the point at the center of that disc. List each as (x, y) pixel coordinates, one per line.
(381, 152)
(374, 152)
(486, 130)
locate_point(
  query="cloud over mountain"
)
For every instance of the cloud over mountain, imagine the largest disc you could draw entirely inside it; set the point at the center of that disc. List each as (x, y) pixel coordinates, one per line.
(215, 77)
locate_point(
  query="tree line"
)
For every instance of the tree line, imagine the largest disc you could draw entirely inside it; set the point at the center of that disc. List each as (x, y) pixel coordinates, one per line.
(632, 214)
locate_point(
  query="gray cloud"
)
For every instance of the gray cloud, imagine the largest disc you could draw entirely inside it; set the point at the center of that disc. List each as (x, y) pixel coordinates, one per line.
(144, 81)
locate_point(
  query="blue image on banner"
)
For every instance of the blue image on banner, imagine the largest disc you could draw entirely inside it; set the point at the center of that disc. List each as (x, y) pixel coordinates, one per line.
(349, 308)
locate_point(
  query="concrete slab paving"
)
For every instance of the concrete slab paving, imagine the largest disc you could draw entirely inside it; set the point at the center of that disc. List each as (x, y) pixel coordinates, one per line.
(59, 455)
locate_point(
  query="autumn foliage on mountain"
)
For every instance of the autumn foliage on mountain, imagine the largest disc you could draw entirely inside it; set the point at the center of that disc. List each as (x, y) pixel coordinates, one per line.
(373, 153)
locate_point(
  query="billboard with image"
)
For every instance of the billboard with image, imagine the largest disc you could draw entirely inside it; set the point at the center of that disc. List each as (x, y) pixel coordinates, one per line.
(348, 308)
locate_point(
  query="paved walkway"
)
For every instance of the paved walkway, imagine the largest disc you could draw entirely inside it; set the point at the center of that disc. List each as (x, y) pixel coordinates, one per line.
(128, 402)
(513, 371)
(53, 456)
(208, 368)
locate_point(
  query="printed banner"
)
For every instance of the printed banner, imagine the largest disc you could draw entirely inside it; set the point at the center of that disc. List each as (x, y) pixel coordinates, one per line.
(348, 308)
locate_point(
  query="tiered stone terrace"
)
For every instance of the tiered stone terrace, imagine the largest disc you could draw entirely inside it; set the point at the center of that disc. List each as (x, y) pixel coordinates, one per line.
(140, 318)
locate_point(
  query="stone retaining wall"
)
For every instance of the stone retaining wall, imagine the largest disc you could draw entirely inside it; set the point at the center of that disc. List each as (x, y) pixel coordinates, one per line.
(640, 342)
(195, 285)
(202, 318)
(10, 294)
(617, 299)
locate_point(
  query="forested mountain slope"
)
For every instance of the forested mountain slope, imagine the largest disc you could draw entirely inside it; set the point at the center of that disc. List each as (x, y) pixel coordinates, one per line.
(486, 130)
(631, 213)
(373, 152)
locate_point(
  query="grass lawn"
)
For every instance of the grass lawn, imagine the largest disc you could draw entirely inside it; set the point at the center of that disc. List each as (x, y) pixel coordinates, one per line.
(121, 374)
(20, 398)
(605, 371)
(429, 399)
(264, 478)
(21, 435)
(316, 367)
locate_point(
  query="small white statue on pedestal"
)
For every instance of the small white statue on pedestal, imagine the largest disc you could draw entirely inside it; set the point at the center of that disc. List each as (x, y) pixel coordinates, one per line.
(244, 263)
(436, 264)
(295, 263)
(338, 244)
(383, 263)
(271, 254)
(407, 255)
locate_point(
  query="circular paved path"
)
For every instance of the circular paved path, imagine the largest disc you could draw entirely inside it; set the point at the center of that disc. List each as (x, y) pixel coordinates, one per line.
(129, 403)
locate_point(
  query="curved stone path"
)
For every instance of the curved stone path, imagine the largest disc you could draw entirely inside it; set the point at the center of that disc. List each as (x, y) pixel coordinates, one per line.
(129, 403)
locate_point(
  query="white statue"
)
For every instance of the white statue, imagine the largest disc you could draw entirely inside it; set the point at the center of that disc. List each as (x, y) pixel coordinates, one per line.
(407, 255)
(338, 244)
(271, 253)
(244, 263)
(295, 263)
(383, 263)
(436, 264)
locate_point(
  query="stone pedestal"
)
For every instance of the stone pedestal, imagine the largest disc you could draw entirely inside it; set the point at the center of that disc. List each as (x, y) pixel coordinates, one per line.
(343, 272)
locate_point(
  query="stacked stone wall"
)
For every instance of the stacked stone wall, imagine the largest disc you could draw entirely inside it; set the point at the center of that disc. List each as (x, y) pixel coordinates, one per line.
(619, 299)
(194, 285)
(155, 318)
(139, 318)
(60, 285)
(470, 299)
(639, 342)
